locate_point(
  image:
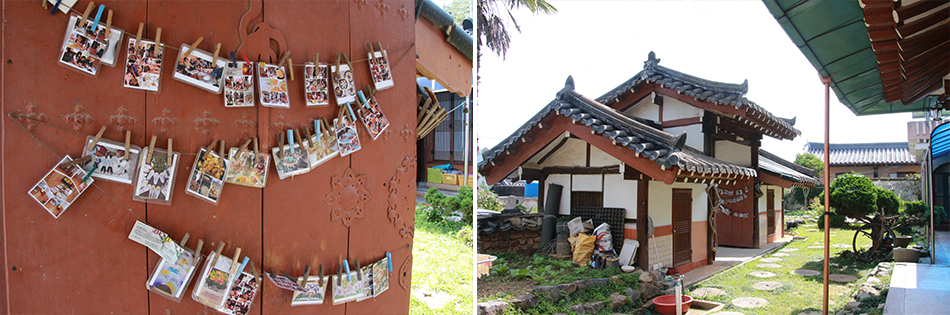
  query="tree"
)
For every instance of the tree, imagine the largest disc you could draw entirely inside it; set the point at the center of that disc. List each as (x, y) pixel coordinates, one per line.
(801, 196)
(491, 24)
(810, 161)
(460, 10)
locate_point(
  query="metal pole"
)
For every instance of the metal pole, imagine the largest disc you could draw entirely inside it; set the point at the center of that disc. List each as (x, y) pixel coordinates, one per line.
(824, 303)
(465, 150)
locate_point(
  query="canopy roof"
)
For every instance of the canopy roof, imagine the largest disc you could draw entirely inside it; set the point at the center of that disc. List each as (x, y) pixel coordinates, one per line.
(896, 67)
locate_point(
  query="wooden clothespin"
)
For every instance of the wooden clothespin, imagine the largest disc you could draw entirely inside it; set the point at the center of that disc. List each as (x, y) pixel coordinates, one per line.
(256, 149)
(96, 139)
(383, 51)
(306, 129)
(221, 151)
(85, 15)
(339, 274)
(234, 262)
(214, 59)
(151, 147)
(211, 147)
(359, 271)
(290, 140)
(184, 239)
(190, 49)
(69, 164)
(336, 65)
(326, 126)
(45, 6)
(348, 64)
(320, 278)
(372, 54)
(108, 20)
(158, 37)
(168, 153)
(306, 274)
(128, 143)
(290, 68)
(297, 135)
(280, 143)
(217, 253)
(316, 59)
(243, 146)
(138, 36)
(254, 271)
(201, 243)
(283, 59)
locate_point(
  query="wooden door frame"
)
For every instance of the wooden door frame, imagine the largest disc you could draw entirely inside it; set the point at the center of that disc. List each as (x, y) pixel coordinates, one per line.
(689, 219)
(770, 212)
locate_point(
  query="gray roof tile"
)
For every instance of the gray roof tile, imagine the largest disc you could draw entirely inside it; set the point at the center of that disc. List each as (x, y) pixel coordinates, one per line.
(864, 153)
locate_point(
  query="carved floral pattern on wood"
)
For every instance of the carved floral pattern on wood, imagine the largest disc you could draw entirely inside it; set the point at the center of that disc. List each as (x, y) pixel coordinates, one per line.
(347, 197)
(165, 122)
(79, 118)
(400, 209)
(123, 120)
(32, 117)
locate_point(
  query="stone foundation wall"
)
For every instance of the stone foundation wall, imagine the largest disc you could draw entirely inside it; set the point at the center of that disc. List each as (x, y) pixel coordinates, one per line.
(524, 241)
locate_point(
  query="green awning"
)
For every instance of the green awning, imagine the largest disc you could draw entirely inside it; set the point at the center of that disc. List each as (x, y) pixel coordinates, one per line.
(832, 35)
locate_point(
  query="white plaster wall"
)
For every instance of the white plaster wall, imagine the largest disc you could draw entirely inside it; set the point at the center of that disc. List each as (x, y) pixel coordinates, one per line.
(620, 193)
(585, 182)
(664, 245)
(600, 158)
(563, 180)
(572, 153)
(763, 229)
(674, 109)
(733, 153)
(660, 203)
(694, 135)
(645, 109)
(699, 204)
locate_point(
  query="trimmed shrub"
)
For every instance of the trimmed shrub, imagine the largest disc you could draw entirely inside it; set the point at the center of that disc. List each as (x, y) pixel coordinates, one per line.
(854, 196)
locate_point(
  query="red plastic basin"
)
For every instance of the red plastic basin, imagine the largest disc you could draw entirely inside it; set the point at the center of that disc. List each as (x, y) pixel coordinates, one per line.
(666, 304)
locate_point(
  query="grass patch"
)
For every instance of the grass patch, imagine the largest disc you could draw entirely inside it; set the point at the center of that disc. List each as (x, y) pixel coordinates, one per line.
(589, 295)
(798, 293)
(514, 274)
(442, 262)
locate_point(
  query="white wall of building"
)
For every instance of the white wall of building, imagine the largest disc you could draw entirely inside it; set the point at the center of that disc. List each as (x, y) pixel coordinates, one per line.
(674, 109)
(563, 180)
(572, 153)
(587, 182)
(733, 153)
(599, 158)
(645, 109)
(620, 193)
(694, 135)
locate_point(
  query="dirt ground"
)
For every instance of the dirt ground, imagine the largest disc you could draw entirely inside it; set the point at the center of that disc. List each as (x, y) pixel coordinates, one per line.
(490, 288)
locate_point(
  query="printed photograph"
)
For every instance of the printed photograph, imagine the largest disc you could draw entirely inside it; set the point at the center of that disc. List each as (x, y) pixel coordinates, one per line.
(207, 176)
(291, 163)
(247, 169)
(171, 277)
(241, 294)
(143, 66)
(313, 293)
(343, 86)
(380, 277)
(346, 135)
(85, 48)
(239, 85)
(348, 290)
(373, 118)
(316, 84)
(273, 85)
(366, 283)
(284, 282)
(155, 178)
(322, 148)
(198, 71)
(214, 284)
(60, 187)
(110, 156)
(379, 70)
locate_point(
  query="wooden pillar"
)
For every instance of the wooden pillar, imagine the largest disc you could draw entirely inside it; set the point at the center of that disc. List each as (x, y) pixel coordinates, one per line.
(755, 200)
(421, 171)
(643, 252)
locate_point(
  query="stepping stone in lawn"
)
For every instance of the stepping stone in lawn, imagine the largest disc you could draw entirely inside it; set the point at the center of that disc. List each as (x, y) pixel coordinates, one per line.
(837, 277)
(762, 274)
(727, 313)
(810, 313)
(772, 266)
(770, 260)
(780, 254)
(767, 285)
(788, 250)
(749, 302)
(812, 230)
(816, 247)
(841, 246)
(806, 272)
(707, 292)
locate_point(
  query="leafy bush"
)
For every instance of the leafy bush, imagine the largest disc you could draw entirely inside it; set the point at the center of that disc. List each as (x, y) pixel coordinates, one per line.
(887, 201)
(443, 205)
(837, 220)
(488, 200)
(854, 196)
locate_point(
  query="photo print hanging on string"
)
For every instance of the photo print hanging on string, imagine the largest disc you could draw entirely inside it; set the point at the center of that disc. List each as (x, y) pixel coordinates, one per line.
(379, 68)
(343, 86)
(239, 84)
(155, 177)
(114, 163)
(372, 117)
(291, 162)
(143, 65)
(322, 145)
(60, 187)
(273, 85)
(88, 46)
(347, 137)
(207, 176)
(316, 84)
(199, 68)
(314, 292)
(212, 287)
(171, 277)
(247, 168)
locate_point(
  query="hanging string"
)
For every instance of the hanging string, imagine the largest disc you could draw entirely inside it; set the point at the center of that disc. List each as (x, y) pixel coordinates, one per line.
(59, 157)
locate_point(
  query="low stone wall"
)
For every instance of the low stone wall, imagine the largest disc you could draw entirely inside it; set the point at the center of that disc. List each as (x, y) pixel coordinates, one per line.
(524, 241)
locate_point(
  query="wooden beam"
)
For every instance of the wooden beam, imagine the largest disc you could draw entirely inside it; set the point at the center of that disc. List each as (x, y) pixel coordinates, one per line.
(912, 28)
(775, 180)
(547, 155)
(938, 33)
(645, 165)
(526, 150)
(682, 122)
(643, 195)
(884, 19)
(917, 8)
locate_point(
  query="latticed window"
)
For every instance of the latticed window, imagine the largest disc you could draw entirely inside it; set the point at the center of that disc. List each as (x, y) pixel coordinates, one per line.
(448, 138)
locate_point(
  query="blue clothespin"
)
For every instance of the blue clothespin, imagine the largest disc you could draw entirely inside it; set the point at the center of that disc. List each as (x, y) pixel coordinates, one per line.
(389, 260)
(94, 168)
(55, 6)
(362, 98)
(95, 23)
(316, 127)
(350, 109)
(243, 264)
(233, 61)
(346, 267)
(290, 140)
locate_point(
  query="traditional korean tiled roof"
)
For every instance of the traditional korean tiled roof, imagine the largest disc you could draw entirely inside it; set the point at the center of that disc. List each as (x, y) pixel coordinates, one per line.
(864, 153)
(801, 176)
(643, 140)
(718, 93)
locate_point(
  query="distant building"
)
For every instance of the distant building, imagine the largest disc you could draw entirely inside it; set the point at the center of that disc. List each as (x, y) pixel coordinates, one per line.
(874, 160)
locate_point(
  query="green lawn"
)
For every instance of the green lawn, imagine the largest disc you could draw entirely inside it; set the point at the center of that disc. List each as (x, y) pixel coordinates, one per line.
(797, 293)
(442, 263)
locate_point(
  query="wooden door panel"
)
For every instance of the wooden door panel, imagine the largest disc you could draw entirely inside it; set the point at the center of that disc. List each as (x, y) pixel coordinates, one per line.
(682, 224)
(731, 229)
(770, 211)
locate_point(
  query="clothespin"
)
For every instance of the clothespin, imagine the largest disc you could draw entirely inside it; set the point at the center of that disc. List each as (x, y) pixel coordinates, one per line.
(55, 6)
(234, 262)
(316, 128)
(350, 110)
(184, 239)
(243, 265)
(85, 15)
(337, 64)
(306, 274)
(151, 147)
(359, 271)
(320, 279)
(389, 261)
(128, 143)
(283, 58)
(45, 6)
(69, 164)
(96, 139)
(138, 36)
(385, 56)
(326, 126)
(248, 61)
(95, 22)
(362, 98)
(217, 253)
(372, 54)
(346, 266)
(281, 145)
(201, 243)
(168, 153)
(348, 64)
(94, 168)
(221, 150)
(214, 59)
(211, 147)
(190, 49)
(256, 150)
(233, 61)
(158, 37)
(297, 135)
(307, 131)
(254, 271)
(290, 68)
(316, 59)
(243, 146)
(290, 141)
(108, 19)
(338, 275)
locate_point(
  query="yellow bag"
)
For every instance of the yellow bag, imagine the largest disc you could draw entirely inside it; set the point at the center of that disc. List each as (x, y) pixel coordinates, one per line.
(583, 248)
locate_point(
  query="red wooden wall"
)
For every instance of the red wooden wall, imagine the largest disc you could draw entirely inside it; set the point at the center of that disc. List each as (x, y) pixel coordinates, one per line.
(83, 262)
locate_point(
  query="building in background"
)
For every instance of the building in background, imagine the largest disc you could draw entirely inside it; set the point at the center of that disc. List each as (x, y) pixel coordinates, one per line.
(874, 160)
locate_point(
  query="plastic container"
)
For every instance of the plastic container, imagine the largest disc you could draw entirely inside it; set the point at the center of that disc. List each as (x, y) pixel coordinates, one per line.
(531, 189)
(906, 255)
(316, 84)
(433, 175)
(484, 263)
(272, 84)
(143, 69)
(111, 158)
(628, 253)
(666, 304)
(449, 179)
(86, 50)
